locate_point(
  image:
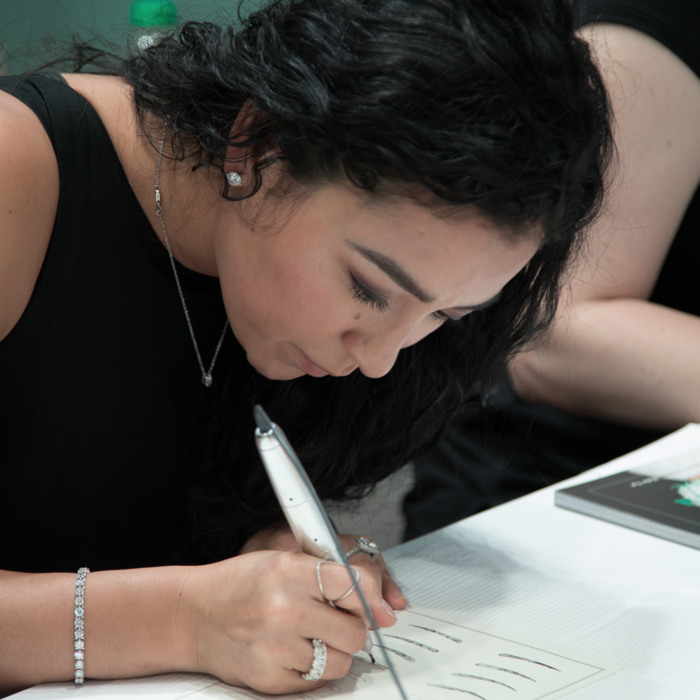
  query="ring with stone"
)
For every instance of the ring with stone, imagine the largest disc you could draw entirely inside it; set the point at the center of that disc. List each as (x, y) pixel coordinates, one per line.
(364, 545)
(318, 665)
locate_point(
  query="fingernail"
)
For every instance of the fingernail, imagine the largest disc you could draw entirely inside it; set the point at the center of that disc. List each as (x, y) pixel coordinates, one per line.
(396, 592)
(388, 608)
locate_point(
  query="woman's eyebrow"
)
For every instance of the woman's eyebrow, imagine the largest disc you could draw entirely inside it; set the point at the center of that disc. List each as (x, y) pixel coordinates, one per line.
(393, 270)
(405, 281)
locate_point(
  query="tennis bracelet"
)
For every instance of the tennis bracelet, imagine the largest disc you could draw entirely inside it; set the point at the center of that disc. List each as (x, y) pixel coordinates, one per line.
(78, 617)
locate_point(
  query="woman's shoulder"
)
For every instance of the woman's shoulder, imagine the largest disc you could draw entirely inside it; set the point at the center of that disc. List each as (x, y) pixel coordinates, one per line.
(29, 178)
(28, 202)
(111, 97)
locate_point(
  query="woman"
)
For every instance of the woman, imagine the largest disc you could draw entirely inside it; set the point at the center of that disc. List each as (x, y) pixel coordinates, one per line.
(347, 211)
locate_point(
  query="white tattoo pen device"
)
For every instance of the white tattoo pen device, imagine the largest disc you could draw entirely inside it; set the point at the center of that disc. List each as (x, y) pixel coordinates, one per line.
(306, 516)
(302, 507)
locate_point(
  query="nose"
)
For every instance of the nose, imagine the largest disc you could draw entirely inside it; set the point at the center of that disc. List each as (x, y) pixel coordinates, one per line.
(376, 353)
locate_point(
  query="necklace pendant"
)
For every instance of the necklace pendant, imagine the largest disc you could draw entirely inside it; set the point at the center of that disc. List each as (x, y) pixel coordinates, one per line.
(207, 379)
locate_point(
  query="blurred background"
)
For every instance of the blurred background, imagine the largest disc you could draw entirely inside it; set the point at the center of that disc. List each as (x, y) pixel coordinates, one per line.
(32, 31)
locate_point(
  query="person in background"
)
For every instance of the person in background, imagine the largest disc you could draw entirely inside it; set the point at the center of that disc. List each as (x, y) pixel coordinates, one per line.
(346, 211)
(618, 368)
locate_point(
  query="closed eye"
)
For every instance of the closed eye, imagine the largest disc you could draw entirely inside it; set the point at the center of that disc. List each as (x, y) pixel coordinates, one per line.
(441, 317)
(378, 303)
(366, 296)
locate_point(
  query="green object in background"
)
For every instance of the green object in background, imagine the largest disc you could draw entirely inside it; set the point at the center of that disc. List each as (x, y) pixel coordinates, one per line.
(149, 19)
(35, 31)
(152, 13)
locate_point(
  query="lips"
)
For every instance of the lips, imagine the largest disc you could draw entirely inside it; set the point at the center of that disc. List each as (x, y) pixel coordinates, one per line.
(310, 367)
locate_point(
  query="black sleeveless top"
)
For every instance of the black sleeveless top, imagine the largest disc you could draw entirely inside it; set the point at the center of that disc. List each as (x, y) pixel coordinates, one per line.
(101, 481)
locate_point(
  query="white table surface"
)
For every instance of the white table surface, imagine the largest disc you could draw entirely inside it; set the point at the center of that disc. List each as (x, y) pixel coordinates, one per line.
(535, 569)
(538, 569)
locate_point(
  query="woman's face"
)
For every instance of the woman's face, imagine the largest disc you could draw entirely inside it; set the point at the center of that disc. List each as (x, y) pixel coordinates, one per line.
(343, 285)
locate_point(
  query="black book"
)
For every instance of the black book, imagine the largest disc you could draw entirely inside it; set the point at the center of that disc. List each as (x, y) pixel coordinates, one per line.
(661, 498)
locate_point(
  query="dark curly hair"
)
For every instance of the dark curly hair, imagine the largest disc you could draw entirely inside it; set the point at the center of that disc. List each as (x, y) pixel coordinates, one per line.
(494, 105)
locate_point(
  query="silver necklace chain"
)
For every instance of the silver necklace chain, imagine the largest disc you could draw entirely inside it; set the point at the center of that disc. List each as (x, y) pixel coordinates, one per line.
(207, 378)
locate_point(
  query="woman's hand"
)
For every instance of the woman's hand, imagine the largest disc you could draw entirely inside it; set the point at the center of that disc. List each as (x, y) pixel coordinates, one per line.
(392, 597)
(281, 538)
(248, 620)
(252, 618)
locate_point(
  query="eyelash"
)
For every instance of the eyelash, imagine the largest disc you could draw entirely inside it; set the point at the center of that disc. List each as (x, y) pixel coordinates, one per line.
(439, 317)
(376, 303)
(365, 296)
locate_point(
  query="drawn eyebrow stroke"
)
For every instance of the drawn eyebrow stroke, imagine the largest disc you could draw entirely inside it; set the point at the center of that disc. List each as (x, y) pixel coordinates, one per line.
(459, 690)
(412, 641)
(506, 670)
(456, 640)
(484, 678)
(397, 652)
(532, 661)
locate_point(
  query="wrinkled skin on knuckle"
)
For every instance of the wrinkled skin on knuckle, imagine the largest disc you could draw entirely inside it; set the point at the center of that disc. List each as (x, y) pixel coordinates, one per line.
(277, 567)
(289, 561)
(279, 605)
(276, 597)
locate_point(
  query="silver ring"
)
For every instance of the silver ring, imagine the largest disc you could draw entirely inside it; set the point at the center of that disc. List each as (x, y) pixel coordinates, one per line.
(364, 545)
(321, 562)
(350, 590)
(319, 663)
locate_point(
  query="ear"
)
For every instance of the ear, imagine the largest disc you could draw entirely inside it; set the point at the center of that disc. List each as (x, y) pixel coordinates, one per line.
(239, 160)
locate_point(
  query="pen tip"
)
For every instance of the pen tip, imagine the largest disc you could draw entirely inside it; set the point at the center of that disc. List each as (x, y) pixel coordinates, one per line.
(261, 419)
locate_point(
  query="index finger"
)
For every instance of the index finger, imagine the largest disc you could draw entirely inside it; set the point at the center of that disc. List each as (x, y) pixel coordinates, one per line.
(369, 576)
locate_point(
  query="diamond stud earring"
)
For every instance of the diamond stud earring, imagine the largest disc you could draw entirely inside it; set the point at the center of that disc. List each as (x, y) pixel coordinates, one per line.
(234, 179)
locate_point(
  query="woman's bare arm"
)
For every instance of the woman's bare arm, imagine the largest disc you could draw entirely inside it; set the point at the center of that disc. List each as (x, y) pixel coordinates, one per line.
(248, 620)
(613, 354)
(131, 625)
(28, 201)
